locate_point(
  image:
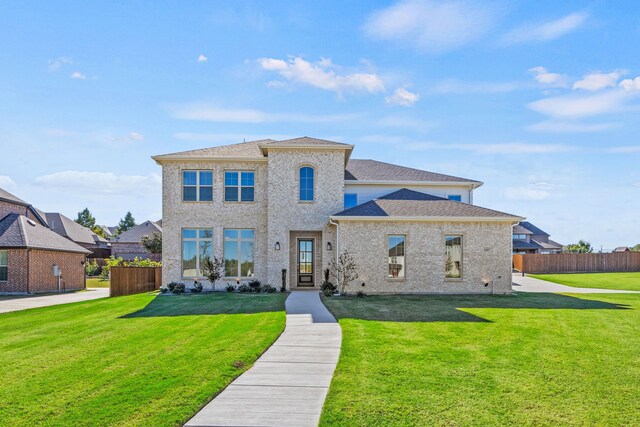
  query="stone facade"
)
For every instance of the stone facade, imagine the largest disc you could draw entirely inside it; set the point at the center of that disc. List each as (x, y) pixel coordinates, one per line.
(29, 270)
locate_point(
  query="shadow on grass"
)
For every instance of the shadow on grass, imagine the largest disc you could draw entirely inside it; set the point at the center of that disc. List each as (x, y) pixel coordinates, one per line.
(450, 308)
(210, 304)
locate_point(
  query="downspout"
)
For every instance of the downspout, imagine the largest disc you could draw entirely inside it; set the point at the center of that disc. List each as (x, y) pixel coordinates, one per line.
(337, 238)
(28, 268)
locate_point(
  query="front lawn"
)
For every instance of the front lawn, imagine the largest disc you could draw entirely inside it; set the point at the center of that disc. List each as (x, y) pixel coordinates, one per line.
(97, 282)
(527, 359)
(139, 360)
(623, 281)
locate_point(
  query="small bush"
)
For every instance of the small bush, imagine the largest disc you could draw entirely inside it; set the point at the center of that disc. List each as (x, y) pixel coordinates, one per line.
(360, 294)
(164, 289)
(230, 287)
(327, 288)
(244, 288)
(91, 268)
(255, 286)
(197, 287)
(178, 289)
(268, 289)
(172, 285)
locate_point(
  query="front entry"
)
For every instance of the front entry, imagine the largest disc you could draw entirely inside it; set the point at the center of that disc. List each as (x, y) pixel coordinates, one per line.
(306, 261)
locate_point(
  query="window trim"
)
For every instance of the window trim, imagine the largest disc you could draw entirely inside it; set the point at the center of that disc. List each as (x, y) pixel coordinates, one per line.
(6, 265)
(197, 240)
(239, 186)
(239, 241)
(462, 262)
(406, 239)
(197, 185)
(299, 181)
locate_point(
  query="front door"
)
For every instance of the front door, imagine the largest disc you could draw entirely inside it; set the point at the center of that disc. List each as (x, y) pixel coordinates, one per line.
(305, 262)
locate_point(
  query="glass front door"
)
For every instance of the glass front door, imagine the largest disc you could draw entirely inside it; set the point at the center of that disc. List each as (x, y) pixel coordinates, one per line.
(305, 262)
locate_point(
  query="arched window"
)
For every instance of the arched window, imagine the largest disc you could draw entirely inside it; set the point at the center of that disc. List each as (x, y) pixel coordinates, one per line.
(306, 183)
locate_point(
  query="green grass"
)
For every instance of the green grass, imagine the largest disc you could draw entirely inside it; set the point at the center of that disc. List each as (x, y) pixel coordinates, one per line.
(528, 359)
(140, 360)
(623, 281)
(96, 282)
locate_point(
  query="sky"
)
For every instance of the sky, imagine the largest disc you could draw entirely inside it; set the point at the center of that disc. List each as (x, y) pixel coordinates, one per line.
(538, 100)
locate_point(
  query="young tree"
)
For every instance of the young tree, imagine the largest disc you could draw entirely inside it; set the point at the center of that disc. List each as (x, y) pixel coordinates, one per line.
(99, 231)
(213, 269)
(636, 248)
(153, 243)
(344, 270)
(126, 223)
(582, 247)
(86, 219)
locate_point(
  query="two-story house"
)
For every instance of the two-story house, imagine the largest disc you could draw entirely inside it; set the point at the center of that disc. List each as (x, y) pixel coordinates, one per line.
(279, 211)
(529, 239)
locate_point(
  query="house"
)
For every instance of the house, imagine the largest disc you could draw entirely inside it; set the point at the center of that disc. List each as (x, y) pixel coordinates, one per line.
(529, 239)
(280, 211)
(33, 258)
(128, 245)
(83, 236)
(622, 249)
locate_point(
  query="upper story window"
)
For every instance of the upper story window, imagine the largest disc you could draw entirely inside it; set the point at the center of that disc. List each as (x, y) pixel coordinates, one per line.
(239, 186)
(306, 183)
(197, 186)
(455, 197)
(4, 265)
(350, 200)
(519, 237)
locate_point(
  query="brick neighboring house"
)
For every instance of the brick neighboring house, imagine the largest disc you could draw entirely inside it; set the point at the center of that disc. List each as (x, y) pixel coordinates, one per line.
(83, 236)
(128, 245)
(529, 239)
(280, 211)
(29, 249)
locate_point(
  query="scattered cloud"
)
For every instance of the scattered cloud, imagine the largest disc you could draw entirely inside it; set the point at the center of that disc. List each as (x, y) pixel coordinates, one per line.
(574, 106)
(322, 75)
(210, 113)
(432, 26)
(202, 58)
(99, 182)
(597, 81)
(131, 136)
(631, 84)
(59, 62)
(6, 182)
(402, 97)
(453, 86)
(545, 78)
(527, 193)
(78, 76)
(546, 31)
(552, 126)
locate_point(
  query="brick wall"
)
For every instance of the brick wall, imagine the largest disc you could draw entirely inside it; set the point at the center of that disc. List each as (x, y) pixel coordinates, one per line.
(17, 272)
(40, 277)
(6, 208)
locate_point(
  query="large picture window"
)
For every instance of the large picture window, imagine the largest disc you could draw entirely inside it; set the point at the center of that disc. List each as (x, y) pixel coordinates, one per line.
(453, 257)
(239, 186)
(238, 252)
(197, 245)
(395, 246)
(4, 265)
(197, 186)
(306, 183)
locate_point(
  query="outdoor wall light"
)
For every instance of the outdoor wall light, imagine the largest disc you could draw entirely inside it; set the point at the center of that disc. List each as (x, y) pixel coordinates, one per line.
(277, 246)
(329, 247)
(486, 281)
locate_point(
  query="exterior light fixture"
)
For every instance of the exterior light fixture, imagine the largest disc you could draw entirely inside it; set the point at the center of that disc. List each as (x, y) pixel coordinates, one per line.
(277, 246)
(329, 247)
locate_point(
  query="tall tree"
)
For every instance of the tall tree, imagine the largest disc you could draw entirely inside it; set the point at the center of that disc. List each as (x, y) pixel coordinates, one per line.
(86, 219)
(582, 247)
(126, 223)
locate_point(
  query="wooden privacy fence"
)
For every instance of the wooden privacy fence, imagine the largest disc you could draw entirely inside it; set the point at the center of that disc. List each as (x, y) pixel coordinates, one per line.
(134, 280)
(577, 263)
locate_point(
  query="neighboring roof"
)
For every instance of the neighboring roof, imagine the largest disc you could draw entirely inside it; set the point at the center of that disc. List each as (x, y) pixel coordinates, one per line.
(159, 222)
(8, 197)
(247, 150)
(533, 229)
(547, 245)
(41, 215)
(518, 229)
(521, 244)
(134, 235)
(70, 229)
(411, 204)
(373, 170)
(18, 231)
(621, 249)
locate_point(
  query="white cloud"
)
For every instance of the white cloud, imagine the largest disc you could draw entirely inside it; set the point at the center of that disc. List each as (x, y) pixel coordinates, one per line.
(6, 182)
(545, 31)
(131, 136)
(202, 58)
(631, 84)
(322, 75)
(431, 26)
(597, 81)
(526, 193)
(403, 97)
(453, 86)
(573, 106)
(544, 77)
(59, 62)
(78, 76)
(99, 182)
(552, 126)
(210, 113)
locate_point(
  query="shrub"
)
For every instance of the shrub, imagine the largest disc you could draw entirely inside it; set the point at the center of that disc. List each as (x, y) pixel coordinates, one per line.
(244, 288)
(91, 268)
(164, 289)
(360, 294)
(178, 288)
(230, 287)
(197, 287)
(213, 269)
(268, 289)
(255, 286)
(171, 286)
(327, 288)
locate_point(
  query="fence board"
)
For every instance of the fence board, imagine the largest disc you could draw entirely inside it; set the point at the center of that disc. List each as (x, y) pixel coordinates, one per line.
(577, 263)
(134, 280)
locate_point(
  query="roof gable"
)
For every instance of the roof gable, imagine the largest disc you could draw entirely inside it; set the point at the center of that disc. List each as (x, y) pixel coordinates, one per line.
(533, 229)
(374, 170)
(134, 235)
(18, 231)
(248, 150)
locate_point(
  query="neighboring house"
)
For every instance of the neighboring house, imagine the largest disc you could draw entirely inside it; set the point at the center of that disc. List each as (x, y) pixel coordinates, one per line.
(30, 250)
(83, 236)
(529, 239)
(280, 211)
(622, 249)
(128, 245)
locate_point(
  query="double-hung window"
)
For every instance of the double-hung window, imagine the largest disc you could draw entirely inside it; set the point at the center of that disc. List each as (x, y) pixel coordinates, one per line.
(197, 186)
(455, 197)
(239, 186)
(238, 252)
(350, 200)
(4, 266)
(395, 247)
(453, 257)
(197, 245)
(306, 183)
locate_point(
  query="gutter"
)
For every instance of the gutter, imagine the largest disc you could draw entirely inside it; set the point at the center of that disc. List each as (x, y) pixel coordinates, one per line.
(511, 219)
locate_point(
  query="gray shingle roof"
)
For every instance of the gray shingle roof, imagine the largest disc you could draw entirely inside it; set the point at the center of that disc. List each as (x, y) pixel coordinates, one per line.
(70, 229)
(249, 150)
(533, 229)
(518, 229)
(134, 235)
(6, 196)
(550, 245)
(413, 204)
(306, 140)
(18, 231)
(373, 170)
(521, 244)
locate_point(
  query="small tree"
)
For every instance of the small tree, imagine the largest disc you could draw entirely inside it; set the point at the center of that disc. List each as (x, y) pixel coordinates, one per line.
(582, 247)
(213, 269)
(636, 248)
(86, 219)
(153, 243)
(126, 223)
(344, 270)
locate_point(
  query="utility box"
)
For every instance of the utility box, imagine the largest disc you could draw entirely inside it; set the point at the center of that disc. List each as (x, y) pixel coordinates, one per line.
(56, 271)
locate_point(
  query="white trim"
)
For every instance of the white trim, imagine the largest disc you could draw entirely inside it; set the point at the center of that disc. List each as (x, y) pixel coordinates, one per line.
(473, 185)
(513, 220)
(163, 158)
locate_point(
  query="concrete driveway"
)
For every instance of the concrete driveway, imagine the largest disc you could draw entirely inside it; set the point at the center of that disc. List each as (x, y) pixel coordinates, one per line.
(18, 303)
(529, 284)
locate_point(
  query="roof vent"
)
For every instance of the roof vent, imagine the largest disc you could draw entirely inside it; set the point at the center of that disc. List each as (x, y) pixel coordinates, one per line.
(31, 222)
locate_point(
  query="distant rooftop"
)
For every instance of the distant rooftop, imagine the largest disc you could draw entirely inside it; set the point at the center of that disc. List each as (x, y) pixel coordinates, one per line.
(18, 231)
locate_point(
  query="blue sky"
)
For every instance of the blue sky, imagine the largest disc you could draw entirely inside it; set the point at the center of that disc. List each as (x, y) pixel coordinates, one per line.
(539, 100)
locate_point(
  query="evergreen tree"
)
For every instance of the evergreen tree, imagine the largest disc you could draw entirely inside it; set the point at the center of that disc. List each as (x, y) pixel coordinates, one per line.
(126, 223)
(86, 219)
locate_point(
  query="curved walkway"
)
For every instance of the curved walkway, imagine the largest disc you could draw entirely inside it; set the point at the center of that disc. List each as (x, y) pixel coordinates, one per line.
(24, 302)
(529, 284)
(288, 384)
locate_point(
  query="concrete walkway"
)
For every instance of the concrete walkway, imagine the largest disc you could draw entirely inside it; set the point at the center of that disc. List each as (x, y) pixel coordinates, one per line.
(288, 384)
(529, 284)
(34, 301)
